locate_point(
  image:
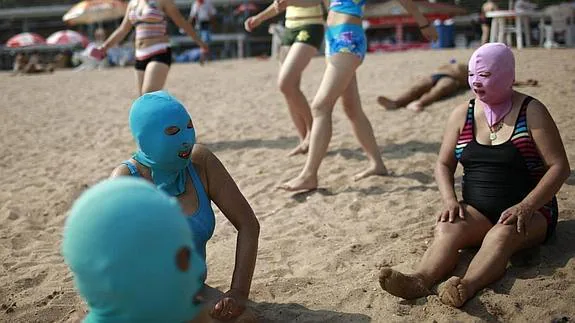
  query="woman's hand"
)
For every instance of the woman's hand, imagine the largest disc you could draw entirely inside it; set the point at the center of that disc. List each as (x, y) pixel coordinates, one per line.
(429, 32)
(452, 209)
(519, 214)
(251, 23)
(230, 305)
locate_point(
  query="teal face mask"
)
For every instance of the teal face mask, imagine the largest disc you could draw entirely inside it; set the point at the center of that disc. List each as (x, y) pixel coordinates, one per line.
(165, 136)
(125, 241)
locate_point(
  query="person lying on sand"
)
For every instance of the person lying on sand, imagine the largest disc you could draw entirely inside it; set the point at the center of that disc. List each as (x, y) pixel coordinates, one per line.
(514, 163)
(132, 254)
(169, 157)
(31, 65)
(446, 80)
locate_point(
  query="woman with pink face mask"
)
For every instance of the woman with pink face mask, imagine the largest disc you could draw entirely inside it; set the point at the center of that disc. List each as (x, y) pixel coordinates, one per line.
(513, 162)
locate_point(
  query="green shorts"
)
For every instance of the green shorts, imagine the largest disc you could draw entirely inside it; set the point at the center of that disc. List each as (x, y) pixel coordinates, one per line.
(307, 34)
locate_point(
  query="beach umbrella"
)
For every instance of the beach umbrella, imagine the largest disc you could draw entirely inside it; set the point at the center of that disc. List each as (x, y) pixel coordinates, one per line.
(92, 11)
(67, 37)
(25, 39)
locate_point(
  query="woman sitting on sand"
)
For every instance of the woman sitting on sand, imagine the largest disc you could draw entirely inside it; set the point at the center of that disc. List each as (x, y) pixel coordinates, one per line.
(168, 157)
(514, 163)
(446, 80)
(153, 53)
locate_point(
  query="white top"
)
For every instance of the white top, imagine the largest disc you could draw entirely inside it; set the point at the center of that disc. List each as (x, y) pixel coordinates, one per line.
(204, 11)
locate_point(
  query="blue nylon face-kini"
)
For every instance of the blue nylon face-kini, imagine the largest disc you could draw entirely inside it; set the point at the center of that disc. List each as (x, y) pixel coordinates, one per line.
(121, 241)
(150, 116)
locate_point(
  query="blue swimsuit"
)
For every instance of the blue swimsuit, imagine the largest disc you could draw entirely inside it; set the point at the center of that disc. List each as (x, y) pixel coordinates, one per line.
(202, 222)
(346, 38)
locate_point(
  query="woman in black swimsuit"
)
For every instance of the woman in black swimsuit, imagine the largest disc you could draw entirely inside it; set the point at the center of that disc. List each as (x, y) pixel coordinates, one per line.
(514, 163)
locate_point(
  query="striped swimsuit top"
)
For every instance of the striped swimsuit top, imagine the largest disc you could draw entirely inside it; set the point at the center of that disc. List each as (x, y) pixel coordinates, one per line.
(496, 177)
(150, 21)
(520, 138)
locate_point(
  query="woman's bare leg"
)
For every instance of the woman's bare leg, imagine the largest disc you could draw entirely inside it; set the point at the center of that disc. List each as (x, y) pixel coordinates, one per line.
(485, 30)
(444, 87)
(139, 81)
(339, 72)
(440, 258)
(489, 264)
(362, 130)
(289, 79)
(154, 77)
(421, 86)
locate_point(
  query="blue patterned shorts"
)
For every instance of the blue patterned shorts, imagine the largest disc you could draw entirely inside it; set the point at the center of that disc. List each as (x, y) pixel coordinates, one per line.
(345, 38)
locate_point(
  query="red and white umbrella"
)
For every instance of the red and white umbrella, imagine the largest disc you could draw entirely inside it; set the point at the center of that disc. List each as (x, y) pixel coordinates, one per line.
(91, 11)
(25, 39)
(66, 37)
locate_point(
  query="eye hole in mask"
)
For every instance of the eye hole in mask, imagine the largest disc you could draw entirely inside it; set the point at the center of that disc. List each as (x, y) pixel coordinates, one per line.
(170, 131)
(183, 259)
(190, 124)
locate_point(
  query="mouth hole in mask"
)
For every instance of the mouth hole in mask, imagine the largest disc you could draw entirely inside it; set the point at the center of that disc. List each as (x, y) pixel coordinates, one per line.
(172, 130)
(183, 259)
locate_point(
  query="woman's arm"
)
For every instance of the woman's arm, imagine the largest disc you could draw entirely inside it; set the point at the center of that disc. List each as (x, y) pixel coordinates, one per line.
(173, 12)
(120, 33)
(446, 162)
(254, 21)
(548, 141)
(411, 8)
(266, 14)
(121, 170)
(425, 26)
(224, 192)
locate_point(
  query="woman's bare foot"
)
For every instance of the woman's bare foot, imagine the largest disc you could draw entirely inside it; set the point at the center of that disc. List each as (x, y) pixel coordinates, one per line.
(371, 171)
(453, 292)
(300, 183)
(301, 149)
(415, 106)
(402, 285)
(387, 103)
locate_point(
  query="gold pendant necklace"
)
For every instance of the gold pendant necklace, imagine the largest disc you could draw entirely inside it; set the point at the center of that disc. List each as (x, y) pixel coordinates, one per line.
(494, 129)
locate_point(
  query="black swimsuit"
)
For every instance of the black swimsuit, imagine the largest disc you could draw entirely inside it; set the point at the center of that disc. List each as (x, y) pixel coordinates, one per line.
(500, 176)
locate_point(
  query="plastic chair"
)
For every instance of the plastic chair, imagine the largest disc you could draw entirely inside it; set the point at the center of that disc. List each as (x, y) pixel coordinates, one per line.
(562, 22)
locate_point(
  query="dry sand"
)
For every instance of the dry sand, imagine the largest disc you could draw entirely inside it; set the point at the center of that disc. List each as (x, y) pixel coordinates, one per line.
(319, 252)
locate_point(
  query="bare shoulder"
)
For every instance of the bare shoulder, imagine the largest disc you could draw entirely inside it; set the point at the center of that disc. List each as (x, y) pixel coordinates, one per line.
(458, 116)
(121, 170)
(537, 114)
(203, 160)
(201, 154)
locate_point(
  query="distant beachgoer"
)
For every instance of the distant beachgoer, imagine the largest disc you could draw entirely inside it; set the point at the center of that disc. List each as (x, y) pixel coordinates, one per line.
(445, 81)
(202, 16)
(485, 21)
(152, 43)
(30, 65)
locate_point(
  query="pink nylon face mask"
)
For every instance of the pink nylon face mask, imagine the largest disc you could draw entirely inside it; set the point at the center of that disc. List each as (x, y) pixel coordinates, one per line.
(491, 77)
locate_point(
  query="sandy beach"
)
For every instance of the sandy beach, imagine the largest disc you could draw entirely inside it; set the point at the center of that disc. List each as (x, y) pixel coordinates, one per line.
(320, 252)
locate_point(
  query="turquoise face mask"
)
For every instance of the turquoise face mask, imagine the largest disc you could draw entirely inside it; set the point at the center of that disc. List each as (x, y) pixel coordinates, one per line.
(165, 136)
(131, 253)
